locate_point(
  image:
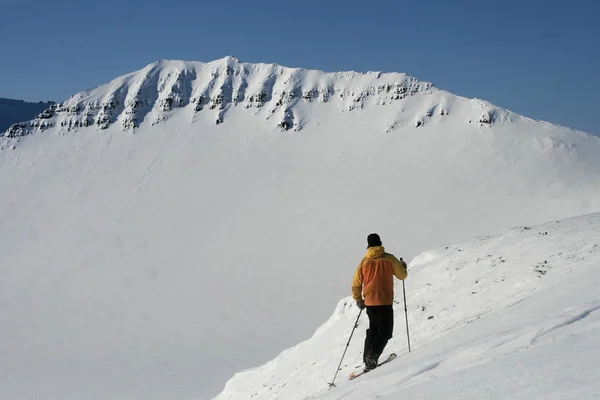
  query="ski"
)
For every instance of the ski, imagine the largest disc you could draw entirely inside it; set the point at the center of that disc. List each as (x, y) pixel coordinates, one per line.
(391, 357)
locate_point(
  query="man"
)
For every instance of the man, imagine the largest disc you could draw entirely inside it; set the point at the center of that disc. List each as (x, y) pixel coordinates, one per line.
(374, 279)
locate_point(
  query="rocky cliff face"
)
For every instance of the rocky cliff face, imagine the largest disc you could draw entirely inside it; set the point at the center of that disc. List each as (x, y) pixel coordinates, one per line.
(153, 94)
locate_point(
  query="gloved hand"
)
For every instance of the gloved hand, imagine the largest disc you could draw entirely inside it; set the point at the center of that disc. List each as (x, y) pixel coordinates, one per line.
(360, 304)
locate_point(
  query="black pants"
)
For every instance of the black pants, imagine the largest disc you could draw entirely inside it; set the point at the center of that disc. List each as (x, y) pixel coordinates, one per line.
(381, 327)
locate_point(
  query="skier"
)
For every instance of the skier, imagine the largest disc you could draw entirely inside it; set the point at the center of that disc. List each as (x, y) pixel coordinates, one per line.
(374, 279)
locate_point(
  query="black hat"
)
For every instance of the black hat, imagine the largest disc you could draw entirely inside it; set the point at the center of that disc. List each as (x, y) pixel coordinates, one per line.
(373, 240)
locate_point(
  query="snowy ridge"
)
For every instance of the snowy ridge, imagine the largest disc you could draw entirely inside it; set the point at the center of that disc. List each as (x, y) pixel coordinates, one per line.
(12, 111)
(152, 94)
(470, 304)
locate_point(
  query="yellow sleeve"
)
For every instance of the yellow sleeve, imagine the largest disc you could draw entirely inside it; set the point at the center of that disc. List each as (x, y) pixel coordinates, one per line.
(400, 270)
(357, 283)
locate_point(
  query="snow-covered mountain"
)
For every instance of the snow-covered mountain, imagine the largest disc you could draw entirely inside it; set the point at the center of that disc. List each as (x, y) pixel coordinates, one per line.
(154, 253)
(151, 94)
(513, 316)
(12, 111)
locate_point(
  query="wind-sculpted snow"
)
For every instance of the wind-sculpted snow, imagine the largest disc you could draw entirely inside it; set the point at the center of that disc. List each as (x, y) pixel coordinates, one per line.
(493, 307)
(269, 91)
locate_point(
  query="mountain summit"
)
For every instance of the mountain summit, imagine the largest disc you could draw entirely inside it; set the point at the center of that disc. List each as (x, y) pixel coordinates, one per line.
(275, 93)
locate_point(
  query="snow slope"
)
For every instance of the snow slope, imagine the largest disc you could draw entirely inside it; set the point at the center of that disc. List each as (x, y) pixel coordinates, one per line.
(514, 316)
(154, 253)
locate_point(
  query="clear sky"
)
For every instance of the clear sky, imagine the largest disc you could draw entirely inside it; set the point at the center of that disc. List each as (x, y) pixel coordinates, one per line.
(537, 58)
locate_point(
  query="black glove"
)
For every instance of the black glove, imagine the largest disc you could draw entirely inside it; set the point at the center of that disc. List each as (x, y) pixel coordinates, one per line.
(360, 304)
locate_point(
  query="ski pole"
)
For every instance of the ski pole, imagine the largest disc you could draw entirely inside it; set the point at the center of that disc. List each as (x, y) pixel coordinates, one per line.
(347, 344)
(406, 315)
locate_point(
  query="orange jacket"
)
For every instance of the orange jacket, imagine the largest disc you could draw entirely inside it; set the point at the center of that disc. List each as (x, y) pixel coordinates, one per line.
(374, 277)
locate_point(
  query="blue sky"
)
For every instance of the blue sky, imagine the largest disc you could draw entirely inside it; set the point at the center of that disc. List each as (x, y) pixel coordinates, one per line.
(537, 58)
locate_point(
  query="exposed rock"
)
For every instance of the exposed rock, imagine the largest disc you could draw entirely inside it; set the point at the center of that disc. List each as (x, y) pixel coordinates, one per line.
(16, 130)
(486, 118)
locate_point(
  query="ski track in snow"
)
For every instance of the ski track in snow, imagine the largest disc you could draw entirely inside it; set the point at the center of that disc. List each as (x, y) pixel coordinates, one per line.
(156, 161)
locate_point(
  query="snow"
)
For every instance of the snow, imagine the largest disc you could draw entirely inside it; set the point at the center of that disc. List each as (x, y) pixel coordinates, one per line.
(155, 262)
(511, 316)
